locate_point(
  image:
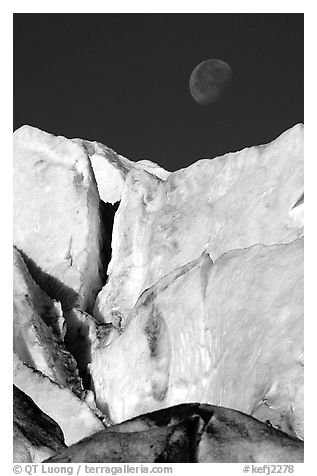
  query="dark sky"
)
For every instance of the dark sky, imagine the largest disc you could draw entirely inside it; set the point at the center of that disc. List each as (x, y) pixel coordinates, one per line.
(122, 79)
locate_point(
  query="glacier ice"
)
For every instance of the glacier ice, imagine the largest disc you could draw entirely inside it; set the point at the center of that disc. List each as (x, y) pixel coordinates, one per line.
(137, 289)
(230, 202)
(38, 330)
(74, 416)
(56, 216)
(111, 169)
(228, 333)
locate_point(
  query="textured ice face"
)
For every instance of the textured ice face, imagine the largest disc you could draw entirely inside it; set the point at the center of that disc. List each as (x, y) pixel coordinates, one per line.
(111, 169)
(230, 202)
(39, 329)
(56, 215)
(228, 333)
(43, 368)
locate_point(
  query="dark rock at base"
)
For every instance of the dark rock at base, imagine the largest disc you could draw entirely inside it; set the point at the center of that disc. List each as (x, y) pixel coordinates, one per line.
(234, 437)
(36, 435)
(175, 443)
(186, 433)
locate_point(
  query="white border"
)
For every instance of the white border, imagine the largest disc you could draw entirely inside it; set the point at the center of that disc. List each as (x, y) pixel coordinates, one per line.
(155, 6)
(90, 6)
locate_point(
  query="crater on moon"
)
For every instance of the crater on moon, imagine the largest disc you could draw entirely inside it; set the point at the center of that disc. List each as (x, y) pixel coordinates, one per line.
(209, 81)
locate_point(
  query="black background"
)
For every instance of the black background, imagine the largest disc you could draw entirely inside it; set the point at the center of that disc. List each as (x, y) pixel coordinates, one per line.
(122, 79)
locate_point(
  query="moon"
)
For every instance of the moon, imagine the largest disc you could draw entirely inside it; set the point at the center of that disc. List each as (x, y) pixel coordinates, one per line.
(209, 81)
